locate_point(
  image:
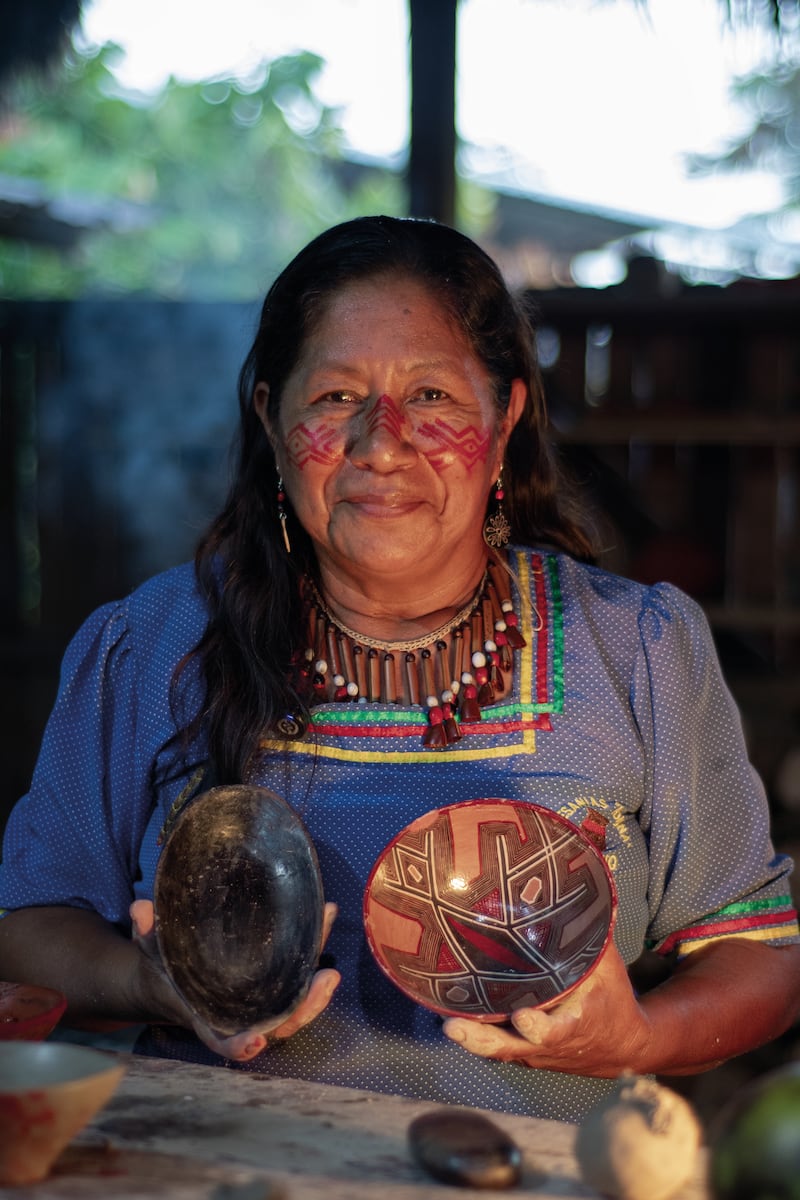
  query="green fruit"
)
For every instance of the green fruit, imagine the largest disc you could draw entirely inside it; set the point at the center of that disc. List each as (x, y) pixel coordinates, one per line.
(754, 1145)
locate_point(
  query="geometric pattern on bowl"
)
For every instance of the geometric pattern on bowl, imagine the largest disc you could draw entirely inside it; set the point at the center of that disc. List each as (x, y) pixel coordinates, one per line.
(489, 905)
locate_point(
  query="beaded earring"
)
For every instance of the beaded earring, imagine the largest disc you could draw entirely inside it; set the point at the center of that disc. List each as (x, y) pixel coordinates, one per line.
(282, 515)
(497, 530)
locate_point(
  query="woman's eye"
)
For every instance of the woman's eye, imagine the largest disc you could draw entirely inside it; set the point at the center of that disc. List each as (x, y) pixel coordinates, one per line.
(429, 396)
(339, 397)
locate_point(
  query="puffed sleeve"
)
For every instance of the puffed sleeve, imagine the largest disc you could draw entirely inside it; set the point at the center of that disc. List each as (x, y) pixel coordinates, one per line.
(74, 838)
(713, 869)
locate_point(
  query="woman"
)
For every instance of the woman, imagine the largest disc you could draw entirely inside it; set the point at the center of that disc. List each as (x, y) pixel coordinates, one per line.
(331, 645)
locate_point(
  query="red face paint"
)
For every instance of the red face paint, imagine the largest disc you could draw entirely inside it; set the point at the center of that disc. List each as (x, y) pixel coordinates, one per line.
(386, 415)
(322, 444)
(470, 445)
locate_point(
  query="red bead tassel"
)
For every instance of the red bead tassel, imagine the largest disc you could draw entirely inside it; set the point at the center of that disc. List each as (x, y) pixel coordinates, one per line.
(485, 689)
(468, 700)
(515, 639)
(452, 731)
(435, 735)
(493, 666)
(503, 648)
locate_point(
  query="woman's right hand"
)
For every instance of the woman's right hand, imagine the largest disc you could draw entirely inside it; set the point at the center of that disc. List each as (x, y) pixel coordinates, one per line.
(160, 996)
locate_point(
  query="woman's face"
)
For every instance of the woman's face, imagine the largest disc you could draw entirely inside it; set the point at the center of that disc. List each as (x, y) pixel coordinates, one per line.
(388, 438)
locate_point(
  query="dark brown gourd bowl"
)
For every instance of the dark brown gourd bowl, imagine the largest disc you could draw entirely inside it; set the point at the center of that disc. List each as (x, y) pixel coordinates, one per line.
(239, 903)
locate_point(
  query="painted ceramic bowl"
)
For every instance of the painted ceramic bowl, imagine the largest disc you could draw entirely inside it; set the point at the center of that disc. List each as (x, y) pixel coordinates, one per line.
(490, 905)
(48, 1092)
(238, 906)
(28, 1013)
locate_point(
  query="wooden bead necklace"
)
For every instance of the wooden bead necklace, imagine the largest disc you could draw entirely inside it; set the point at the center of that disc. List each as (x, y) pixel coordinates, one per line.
(451, 673)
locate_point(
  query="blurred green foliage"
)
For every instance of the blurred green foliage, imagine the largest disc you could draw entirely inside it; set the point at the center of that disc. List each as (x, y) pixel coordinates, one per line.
(202, 190)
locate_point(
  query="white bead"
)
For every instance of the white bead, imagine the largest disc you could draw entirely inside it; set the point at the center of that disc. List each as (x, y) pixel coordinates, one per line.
(479, 659)
(352, 689)
(321, 667)
(339, 680)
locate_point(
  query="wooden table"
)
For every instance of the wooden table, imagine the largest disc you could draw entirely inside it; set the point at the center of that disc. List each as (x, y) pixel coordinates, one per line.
(207, 1133)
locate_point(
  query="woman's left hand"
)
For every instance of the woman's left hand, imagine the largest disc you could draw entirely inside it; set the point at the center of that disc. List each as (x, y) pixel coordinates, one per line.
(599, 1029)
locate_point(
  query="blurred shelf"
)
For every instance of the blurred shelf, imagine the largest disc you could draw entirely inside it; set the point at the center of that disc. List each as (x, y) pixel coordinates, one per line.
(729, 430)
(754, 617)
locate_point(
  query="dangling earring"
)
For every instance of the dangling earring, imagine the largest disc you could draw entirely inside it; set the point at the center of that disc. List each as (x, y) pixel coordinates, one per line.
(282, 515)
(497, 530)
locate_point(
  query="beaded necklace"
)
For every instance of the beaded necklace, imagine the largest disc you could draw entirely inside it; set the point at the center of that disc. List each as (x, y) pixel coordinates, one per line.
(451, 673)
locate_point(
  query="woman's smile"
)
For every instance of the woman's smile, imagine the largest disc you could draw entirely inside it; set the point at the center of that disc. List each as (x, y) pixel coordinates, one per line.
(376, 504)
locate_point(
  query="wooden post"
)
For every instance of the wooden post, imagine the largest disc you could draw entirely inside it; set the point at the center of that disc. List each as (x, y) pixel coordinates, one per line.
(432, 154)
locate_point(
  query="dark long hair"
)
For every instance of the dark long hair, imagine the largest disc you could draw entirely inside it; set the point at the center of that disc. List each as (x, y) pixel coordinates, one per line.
(250, 583)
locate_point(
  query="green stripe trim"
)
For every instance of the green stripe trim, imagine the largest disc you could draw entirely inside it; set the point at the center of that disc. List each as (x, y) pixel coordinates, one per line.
(557, 634)
(743, 907)
(355, 716)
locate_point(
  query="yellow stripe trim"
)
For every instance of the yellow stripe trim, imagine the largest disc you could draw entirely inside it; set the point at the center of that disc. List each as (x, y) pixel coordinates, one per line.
(422, 756)
(768, 934)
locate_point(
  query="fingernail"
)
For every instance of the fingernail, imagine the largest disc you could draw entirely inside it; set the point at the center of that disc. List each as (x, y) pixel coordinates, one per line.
(255, 1047)
(529, 1027)
(456, 1034)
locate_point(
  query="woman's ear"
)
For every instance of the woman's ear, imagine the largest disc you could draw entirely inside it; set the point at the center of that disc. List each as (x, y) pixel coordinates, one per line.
(261, 404)
(516, 406)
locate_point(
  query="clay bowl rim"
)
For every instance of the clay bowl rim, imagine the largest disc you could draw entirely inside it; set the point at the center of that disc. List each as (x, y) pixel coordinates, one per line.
(53, 1065)
(54, 1005)
(480, 801)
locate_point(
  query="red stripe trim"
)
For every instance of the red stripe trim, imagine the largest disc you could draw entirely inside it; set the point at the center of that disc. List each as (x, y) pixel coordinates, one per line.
(735, 925)
(540, 721)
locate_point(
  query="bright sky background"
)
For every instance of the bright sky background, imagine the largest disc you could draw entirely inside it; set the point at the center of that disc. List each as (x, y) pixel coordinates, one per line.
(586, 100)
